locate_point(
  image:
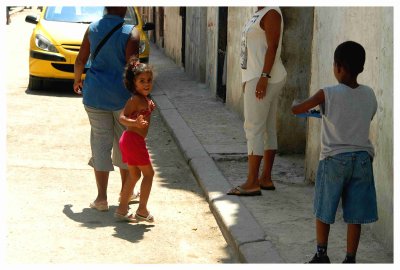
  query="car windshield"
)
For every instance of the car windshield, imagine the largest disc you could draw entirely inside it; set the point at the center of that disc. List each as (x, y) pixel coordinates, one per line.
(83, 14)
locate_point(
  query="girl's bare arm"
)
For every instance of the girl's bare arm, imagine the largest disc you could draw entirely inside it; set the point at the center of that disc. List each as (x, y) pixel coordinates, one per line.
(131, 106)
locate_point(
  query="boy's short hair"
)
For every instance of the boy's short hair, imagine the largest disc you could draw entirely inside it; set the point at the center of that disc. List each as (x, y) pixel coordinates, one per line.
(351, 56)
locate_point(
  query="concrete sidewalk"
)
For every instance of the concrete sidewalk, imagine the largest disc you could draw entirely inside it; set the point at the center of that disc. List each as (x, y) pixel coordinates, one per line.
(277, 227)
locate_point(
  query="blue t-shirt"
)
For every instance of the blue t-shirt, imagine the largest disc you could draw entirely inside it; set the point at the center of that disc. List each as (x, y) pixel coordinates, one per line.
(103, 87)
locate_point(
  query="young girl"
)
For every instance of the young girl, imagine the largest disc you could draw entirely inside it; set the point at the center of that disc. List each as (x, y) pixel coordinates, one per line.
(138, 79)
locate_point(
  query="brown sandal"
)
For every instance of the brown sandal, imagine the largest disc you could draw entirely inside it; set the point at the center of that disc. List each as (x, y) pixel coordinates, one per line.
(267, 187)
(238, 191)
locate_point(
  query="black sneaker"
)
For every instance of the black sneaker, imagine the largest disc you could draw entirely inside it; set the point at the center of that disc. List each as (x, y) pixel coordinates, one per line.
(349, 260)
(320, 259)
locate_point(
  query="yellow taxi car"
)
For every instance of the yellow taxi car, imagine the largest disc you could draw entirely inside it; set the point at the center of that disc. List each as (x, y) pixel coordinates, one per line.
(58, 35)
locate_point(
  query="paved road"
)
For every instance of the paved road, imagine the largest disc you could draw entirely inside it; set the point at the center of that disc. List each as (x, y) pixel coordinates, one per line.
(49, 185)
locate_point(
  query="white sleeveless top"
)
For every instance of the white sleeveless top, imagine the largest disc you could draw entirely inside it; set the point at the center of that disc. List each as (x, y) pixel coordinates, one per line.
(254, 46)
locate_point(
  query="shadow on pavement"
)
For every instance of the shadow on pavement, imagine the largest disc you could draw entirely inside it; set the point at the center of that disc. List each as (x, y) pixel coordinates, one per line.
(56, 89)
(172, 170)
(92, 219)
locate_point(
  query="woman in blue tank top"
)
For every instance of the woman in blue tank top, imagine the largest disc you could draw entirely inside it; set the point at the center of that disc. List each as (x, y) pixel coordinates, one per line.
(104, 93)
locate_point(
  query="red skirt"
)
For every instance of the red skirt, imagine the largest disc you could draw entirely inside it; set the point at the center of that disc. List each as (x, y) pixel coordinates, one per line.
(133, 149)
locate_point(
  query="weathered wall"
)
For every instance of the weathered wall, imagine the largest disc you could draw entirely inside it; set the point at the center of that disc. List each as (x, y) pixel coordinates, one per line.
(146, 13)
(212, 49)
(173, 34)
(237, 17)
(373, 28)
(296, 56)
(158, 30)
(196, 44)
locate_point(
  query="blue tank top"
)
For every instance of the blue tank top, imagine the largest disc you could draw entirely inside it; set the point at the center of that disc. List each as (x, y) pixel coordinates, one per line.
(104, 87)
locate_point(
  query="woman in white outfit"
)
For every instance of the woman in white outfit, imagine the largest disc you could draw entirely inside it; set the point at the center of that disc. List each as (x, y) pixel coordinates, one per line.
(263, 76)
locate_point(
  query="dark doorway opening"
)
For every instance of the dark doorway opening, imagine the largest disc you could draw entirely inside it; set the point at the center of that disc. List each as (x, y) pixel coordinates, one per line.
(161, 29)
(155, 28)
(182, 13)
(221, 61)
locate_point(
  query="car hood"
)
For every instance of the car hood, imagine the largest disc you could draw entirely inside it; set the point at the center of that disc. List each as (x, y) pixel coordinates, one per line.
(63, 32)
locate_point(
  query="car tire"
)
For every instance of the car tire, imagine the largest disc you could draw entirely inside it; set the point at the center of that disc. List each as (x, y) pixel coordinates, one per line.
(35, 83)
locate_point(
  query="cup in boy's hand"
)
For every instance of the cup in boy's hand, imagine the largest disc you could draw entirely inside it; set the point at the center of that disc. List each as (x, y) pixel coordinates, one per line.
(311, 113)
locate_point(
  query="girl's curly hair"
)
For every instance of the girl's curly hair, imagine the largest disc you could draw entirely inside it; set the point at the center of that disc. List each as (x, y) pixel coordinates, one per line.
(132, 69)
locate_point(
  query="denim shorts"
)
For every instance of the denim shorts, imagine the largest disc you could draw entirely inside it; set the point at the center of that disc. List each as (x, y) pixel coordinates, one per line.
(347, 176)
(105, 132)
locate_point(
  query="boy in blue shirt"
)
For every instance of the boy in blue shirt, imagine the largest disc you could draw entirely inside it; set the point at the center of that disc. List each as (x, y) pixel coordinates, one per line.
(345, 166)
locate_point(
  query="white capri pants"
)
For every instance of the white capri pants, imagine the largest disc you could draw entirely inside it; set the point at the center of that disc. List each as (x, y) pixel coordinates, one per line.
(260, 117)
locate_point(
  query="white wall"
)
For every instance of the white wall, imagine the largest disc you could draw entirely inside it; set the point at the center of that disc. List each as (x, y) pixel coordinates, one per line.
(296, 57)
(173, 34)
(237, 17)
(212, 49)
(196, 42)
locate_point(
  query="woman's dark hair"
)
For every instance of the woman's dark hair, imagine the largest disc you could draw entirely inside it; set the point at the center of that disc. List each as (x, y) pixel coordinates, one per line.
(351, 56)
(119, 11)
(132, 69)
(112, 7)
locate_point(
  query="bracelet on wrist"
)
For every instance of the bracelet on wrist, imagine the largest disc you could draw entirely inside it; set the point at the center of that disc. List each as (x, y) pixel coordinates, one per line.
(265, 75)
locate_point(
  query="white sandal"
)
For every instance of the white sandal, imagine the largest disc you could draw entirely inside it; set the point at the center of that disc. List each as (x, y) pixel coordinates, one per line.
(133, 197)
(129, 217)
(99, 206)
(149, 218)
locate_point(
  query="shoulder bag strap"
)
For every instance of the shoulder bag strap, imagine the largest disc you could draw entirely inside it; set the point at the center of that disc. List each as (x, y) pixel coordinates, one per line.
(104, 40)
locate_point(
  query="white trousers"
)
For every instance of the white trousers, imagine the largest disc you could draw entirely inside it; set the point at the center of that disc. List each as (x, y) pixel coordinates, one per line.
(260, 117)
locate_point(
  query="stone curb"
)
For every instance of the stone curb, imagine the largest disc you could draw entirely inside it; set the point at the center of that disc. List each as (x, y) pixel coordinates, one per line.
(237, 224)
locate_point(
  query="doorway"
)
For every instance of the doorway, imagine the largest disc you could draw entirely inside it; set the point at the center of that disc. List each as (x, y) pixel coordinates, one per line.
(154, 38)
(182, 13)
(161, 25)
(221, 61)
